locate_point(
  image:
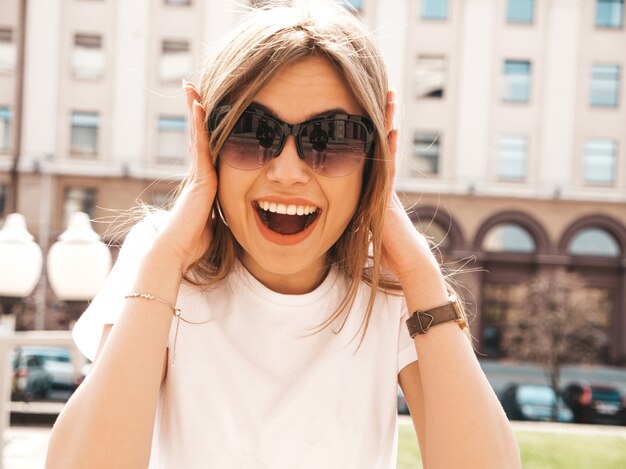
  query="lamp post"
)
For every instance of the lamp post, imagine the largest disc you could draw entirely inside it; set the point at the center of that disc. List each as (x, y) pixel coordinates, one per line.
(78, 264)
(21, 263)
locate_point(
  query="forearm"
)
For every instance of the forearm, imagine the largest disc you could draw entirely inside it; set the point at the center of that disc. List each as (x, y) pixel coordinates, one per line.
(110, 418)
(465, 425)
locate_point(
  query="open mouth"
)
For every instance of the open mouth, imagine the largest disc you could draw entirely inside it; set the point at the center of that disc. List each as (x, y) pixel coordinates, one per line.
(286, 219)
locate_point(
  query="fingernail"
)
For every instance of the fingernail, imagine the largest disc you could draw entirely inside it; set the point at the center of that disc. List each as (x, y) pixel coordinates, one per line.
(195, 102)
(184, 83)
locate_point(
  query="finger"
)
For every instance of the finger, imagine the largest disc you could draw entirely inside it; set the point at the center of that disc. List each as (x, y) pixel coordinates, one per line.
(190, 95)
(390, 110)
(204, 163)
(393, 142)
(193, 87)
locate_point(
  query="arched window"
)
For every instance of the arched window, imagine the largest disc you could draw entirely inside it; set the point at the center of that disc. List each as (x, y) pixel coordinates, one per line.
(435, 233)
(508, 237)
(594, 242)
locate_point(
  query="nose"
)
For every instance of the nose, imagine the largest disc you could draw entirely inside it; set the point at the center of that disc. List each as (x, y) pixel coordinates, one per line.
(287, 168)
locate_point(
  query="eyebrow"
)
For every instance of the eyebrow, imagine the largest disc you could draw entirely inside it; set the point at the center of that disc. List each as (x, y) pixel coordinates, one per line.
(271, 111)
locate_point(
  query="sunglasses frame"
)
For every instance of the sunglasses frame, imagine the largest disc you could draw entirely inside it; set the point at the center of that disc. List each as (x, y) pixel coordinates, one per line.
(294, 129)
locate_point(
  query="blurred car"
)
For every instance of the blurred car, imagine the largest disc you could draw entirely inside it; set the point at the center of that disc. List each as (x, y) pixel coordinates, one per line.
(30, 379)
(533, 402)
(596, 403)
(403, 408)
(86, 368)
(38, 370)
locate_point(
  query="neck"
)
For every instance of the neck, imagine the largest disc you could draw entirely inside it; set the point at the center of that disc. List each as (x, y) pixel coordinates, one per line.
(288, 282)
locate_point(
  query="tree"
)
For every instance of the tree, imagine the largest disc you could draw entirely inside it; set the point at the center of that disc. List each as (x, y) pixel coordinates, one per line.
(561, 322)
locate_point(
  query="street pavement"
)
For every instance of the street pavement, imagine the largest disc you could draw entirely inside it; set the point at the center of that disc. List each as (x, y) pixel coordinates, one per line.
(553, 427)
(25, 447)
(501, 373)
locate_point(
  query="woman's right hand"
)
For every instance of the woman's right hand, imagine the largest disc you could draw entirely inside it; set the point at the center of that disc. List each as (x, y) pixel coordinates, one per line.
(188, 232)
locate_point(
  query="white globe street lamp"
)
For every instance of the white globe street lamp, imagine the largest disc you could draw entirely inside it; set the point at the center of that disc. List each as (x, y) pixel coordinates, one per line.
(21, 262)
(78, 263)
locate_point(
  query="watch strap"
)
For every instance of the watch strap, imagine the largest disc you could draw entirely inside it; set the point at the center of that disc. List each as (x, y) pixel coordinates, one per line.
(421, 321)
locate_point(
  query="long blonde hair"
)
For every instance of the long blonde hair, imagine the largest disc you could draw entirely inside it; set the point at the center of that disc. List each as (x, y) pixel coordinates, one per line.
(275, 35)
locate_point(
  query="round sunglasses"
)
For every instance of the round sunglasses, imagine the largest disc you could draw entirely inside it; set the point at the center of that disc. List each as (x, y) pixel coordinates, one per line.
(331, 144)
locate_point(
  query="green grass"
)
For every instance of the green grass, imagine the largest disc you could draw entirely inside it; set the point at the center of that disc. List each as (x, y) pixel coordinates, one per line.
(539, 450)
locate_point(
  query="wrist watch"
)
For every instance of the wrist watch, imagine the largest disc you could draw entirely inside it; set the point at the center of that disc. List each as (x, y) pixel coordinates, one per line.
(421, 321)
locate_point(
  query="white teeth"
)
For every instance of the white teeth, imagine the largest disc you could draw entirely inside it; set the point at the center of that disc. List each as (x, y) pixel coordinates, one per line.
(290, 209)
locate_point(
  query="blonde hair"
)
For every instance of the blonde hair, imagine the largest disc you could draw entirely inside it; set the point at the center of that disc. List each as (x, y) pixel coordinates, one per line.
(275, 35)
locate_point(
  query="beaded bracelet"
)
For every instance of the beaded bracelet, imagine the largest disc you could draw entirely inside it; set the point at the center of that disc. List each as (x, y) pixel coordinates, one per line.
(176, 311)
(148, 296)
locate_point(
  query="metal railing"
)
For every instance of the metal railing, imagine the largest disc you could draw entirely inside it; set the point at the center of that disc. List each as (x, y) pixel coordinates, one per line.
(9, 340)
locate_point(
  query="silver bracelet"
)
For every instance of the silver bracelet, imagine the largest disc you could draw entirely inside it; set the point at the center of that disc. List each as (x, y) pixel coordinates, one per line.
(148, 296)
(176, 311)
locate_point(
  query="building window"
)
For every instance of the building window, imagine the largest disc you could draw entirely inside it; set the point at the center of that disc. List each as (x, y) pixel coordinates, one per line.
(7, 51)
(594, 242)
(78, 199)
(499, 302)
(517, 80)
(84, 139)
(508, 237)
(172, 137)
(434, 9)
(600, 156)
(356, 4)
(512, 152)
(609, 13)
(520, 11)
(87, 56)
(426, 146)
(175, 61)
(5, 129)
(604, 85)
(430, 77)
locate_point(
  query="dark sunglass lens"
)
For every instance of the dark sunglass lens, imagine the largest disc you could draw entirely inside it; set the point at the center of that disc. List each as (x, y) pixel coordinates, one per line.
(252, 142)
(265, 134)
(333, 147)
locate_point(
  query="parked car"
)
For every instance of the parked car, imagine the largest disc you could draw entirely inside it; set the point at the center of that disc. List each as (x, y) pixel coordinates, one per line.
(86, 368)
(596, 403)
(30, 379)
(38, 370)
(533, 402)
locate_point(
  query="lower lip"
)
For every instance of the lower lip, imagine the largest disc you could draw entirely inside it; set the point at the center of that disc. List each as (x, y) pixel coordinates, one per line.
(285, 240)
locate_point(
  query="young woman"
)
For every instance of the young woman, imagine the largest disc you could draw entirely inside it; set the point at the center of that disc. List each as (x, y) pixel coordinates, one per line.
(237, 312)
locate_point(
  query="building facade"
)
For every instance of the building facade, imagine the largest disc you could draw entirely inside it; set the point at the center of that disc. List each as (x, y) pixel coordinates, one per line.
(511, 113)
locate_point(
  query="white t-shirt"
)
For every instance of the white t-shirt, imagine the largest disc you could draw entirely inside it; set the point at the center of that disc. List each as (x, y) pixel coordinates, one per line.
(249, 390)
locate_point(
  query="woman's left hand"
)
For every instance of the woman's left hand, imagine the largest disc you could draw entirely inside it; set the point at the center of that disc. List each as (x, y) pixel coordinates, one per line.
(405, 249)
